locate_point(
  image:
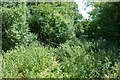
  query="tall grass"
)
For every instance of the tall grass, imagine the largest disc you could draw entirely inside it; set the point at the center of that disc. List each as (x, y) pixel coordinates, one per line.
(30, 61)
(77, 58)
(89, 59)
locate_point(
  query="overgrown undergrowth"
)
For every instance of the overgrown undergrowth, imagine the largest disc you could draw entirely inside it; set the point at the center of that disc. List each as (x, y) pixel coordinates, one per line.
(77, 58)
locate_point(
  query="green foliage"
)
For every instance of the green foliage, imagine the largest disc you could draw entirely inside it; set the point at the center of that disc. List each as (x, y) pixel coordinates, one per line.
(15, 29)
(74, 59)
(79, 29)
(105, 23)
(1, 74)
(57, 23)
(89, 59)
(30, 62)
(53, 22)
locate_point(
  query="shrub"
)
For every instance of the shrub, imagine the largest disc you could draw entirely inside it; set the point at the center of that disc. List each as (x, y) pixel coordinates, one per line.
(79, 30)
(105, 21)
(15, 29)
(34, 61)
(85, 59)
(74, 59)
(51, 26)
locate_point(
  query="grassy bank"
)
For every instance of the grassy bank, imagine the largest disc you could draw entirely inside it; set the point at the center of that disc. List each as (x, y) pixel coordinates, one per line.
(77, 58)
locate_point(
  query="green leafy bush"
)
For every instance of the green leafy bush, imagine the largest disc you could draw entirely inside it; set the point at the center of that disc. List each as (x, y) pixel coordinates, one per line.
(88, 59)
(79, 30)
(77, 58)
(105, 21)
(74, 59)
(30, 62)
(15, 29)
(50, 24)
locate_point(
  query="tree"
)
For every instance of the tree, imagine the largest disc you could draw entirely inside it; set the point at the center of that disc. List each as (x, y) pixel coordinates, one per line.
(15, 30)
(53, 22)
(105, 23)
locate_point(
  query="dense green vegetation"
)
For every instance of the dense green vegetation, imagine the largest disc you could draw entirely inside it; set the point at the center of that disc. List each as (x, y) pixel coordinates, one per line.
(74, 59)
(106, 21)
(50, 24)
(15, 30)
(48, 40)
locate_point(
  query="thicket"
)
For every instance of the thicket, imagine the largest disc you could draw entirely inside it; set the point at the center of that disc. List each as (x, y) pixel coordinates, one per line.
(15, 30)
(51, 26)
(74, 59)
(53, 22)
(26, 25)
(105, 21)
(46, 22)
